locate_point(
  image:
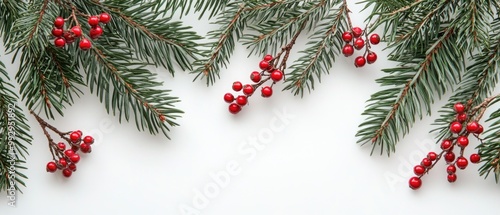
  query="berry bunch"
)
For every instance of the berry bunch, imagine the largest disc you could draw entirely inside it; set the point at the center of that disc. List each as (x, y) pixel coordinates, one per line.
(69, 35)
(354, 41)
(461, 129)
(268, 72)
(65, 158)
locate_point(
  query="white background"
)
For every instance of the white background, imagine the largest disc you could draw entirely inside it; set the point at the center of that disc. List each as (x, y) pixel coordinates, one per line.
(310, 166)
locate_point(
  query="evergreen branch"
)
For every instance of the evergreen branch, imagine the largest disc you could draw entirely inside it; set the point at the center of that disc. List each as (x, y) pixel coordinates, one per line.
(10, 11)
(489, 148)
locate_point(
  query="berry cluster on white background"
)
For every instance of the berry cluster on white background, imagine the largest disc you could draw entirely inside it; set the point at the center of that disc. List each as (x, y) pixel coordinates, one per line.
(354, 41)
(64, 36)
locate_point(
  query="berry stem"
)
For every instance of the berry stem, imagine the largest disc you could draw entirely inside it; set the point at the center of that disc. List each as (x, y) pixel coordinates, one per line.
(287, 49)
(349, 21)
(427, 169)
(481, 108)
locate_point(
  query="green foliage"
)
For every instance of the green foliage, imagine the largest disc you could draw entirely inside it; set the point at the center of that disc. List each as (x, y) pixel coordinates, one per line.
(490, 148)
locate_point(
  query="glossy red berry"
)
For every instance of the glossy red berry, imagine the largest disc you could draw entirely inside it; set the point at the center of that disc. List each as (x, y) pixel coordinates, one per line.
(72, 167)
(234, 108)
(241, 100)
(461, 117)
(248, 89)
(347, 37)
(462, 141)
(348, 50)
(93, 21)
(69, 152)
(80, 132)
(371, 57)
(264, 65)
(415, 183)
(419, 170)
(88, 139)
(59, 22)
(359, 61)
(51, 166)
(237, 86)
(63, 162)
(472, 126)
(75, 137)
(57, 32)
(67, 172)
(74, 158)
(452, 178)
(60, 42)
(255, 76)
(359, 43)
(85, 44)
(357, 31)
(228, 97)
(95, 32)
(475, 158)
(456, 127)
(451, 169)
(77, 31)
(61, 146)
(449, 157)
(104, 18)
(479, 130)
(266, 91)
(86, 148)
(426, 162)
(277, 75)
(462, 162)
(432, 156)
(69, 37)
(446, 145)
(268, 57)
(459, 107)
(374, 39)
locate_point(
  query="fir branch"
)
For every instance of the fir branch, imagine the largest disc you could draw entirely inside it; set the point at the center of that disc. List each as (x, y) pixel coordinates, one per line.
(10, 11)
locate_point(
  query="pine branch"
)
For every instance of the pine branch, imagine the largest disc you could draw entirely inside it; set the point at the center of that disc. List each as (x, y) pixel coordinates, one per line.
(490, 148)
(9, 11)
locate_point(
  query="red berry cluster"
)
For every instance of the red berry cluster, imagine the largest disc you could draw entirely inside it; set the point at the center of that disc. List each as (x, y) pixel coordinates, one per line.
(66, 158)
(69, 35)
(460, 129)
(268, 72)
(354, 40)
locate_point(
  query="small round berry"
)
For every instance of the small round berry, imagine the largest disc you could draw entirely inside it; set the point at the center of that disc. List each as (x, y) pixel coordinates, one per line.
(75, 137)
(241, 100)
(371, 57)
(277, 75)
(69, 37)
(451, 169)
(69, 152)
(459, 107)
(234, 108)
(255, 76)
(72, 167)
(359, 44)
(357, 31)
(67, 172)
(60, 42)
(237, 86)
(95, 32)
(228, 97)
(61, 146)
(456, 127)
(104, 18)
(77, 31)
(86, 148)
(449, 157)
(374, 39)
(74, 158)
(347, 37)
(59, 22)
(462, 141)
(348, 50)
(63, 162)
(80, 132)
(479, 130)
(57, 32)
(248, 89)
(475, 158)
(359, 61)
(85, 44)
(461, 117)
(472, 126)
(415, 183)
(462, 162)
(266, 91)
(432, 156)
(51, 166)
(426, 162)
(452, 178)
(264, 65)
(419, 170)
(268, 57)
(88, 139)
(446, 145)
(93, 21)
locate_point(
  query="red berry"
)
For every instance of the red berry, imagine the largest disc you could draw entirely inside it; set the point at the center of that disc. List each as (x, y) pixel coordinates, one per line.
(357, 31)
(86, 148)
(264, 65)
(359, 43)
(268, 57)
(451, 169)
(57, 32)
(77, 31)
(462, 162)
(237, 86)
(277, 75)
(462, 141)
(347, 37)
(75, 137)
(348, 50)
(479, 130)
(61, 146)
(461, 117)
(234, 108)
(95, 32)
(80, 132)
(60, 42)
(426, 162)
(248, 89)
(475, 158)
(419, 170)
(255, 76)
(228, 97)
(59, 22)
(374, 39)
(456, 127)
(104, 18)
(74, 158)
(72, 167)
(472, 126)
(415, 183)
(452, 178)
(241, 100)
(88, 139)
(432, 156)
(69, 37)
(266, 91)
(93, 21)
(67, 172)
(459, 107)
(69, 152)
(63, 162)
(446, 145)
(449, 157)
(371, 57)
(85, 44)
(51, 166)
(359, 61)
